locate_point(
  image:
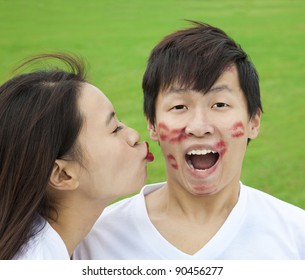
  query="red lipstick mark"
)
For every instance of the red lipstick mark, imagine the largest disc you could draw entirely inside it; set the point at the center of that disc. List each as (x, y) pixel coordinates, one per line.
(172, 161)
(163, 136)
(177, 135)
(163, 131)
(172, 136)
(230, 68)
(163, 126)
(237, 130)
(220, 147)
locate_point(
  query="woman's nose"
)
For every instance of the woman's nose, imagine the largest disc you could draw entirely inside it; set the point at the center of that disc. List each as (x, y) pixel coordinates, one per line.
(132, 136)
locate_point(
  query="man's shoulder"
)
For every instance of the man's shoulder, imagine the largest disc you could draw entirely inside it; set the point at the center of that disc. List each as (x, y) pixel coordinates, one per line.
(264, 201)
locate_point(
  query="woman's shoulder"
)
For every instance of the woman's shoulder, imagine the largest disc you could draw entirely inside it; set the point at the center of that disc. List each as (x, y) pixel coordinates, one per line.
(45, 244)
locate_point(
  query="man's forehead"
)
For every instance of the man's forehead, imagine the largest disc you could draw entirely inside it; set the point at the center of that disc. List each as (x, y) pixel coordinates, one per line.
(183, 84)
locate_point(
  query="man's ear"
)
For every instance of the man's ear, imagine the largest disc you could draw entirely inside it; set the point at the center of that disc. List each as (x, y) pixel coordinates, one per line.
(64, 175)
(152, 131)
(255, 124)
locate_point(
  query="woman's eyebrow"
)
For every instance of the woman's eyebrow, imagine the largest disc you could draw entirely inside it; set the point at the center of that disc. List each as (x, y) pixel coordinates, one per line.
(109, 118)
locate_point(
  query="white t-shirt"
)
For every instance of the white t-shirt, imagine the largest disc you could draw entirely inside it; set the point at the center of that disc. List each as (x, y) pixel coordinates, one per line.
(45, 245)
(259, 227)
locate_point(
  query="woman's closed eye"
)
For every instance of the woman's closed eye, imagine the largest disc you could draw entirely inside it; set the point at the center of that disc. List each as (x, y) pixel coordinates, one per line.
(118, 128)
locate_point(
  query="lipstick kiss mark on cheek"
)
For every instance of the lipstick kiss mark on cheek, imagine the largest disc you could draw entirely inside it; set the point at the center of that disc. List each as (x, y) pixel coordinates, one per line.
(237, 130)
(172, 161)
(178, 136)
(163, 136)
(172, 136)
(221, 147)
(163, 126)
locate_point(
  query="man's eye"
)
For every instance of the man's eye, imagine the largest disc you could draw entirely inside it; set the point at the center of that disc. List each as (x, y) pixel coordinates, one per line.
(117, 129)
(179, 107)
(220, 105)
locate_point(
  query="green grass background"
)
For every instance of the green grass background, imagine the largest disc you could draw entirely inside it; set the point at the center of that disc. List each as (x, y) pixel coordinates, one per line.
(115, 37)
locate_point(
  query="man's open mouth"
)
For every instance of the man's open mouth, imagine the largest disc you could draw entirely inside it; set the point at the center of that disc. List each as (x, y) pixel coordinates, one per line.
(201, 159)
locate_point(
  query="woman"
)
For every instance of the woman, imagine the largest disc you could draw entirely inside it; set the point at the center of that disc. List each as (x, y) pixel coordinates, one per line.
(64, 156)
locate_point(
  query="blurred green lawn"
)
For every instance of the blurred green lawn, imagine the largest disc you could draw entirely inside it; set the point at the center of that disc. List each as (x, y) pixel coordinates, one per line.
(115, 37)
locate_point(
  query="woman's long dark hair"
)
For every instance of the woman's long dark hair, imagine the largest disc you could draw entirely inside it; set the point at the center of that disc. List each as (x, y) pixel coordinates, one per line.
(39, 123)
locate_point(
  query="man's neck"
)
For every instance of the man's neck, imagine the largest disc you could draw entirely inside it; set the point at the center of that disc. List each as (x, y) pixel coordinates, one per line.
(174, 200)
(186, 221)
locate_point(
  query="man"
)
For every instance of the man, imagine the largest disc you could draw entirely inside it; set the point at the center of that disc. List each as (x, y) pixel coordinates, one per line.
(202, 103)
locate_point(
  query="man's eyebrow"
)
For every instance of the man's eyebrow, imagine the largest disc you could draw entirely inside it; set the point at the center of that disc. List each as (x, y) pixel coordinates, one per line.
(110, 117)
(220, 87)
(213, 89)
(178, 90)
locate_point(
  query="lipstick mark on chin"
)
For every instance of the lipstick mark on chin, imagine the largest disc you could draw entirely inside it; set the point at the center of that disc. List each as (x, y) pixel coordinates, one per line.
(200, 188)
(220, 147)
(172, 136)
(237, 130)
(172, 161)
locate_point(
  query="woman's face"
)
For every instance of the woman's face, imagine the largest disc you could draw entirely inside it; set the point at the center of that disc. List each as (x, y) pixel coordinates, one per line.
(114, 162)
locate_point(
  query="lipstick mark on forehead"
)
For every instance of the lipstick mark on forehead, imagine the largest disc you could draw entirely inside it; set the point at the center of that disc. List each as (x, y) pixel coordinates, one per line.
(237, 130)
(230, 68)
(172, 161)
(171, 135)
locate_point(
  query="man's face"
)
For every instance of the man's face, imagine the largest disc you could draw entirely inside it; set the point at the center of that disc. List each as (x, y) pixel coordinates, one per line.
(204, 137)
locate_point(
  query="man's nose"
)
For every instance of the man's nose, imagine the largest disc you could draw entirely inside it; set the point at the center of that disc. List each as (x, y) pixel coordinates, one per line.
(199, 124)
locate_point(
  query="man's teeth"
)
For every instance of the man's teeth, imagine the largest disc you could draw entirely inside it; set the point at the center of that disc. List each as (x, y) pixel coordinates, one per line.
(200, 152)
